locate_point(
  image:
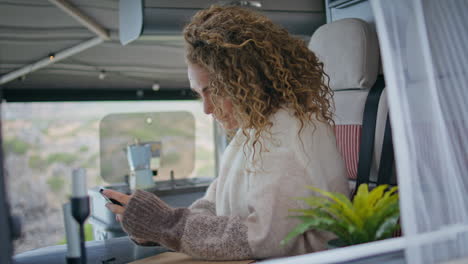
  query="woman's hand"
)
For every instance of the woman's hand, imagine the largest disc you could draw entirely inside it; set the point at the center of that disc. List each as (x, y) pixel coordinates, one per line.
(120, 197)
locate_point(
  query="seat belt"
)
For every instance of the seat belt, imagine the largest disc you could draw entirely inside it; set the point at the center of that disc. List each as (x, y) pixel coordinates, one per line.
(387, 158)
(369, 120)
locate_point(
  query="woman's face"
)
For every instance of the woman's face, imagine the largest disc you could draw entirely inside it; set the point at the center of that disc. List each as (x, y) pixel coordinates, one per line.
(199, 79)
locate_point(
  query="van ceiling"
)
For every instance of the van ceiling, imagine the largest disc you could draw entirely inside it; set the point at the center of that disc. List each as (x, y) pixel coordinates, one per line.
(30, 30)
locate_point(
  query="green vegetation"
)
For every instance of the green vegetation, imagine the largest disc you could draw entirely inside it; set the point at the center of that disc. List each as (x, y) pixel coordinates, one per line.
(92, 161)
(36, 162)
(56, 183)
(98, 181)
(85, 126)
(204, 154)
(15, 145)
(206, 171)
(89, 232)
(106, 170)
(89, 236)
(44, 128)
(371, 216)
(84, 148)
(62, 157)
(170, 159)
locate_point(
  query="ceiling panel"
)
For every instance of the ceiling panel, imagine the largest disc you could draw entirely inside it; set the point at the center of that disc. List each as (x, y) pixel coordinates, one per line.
(31, 29)
(49, 79)
(43, 15)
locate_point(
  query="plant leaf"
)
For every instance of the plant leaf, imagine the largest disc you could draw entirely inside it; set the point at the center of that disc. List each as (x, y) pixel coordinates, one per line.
(376, 194)
(372, 215)
(316, 201)
(375, 221)
(304, 227)
(386, 201)
(340, 227)
(389, 225)
(360, 200)
(325, 203)
(345, 204)
(389, 194)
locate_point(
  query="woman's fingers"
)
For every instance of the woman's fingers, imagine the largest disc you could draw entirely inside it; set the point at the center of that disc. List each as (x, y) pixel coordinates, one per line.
(116, 209)
(121, 197)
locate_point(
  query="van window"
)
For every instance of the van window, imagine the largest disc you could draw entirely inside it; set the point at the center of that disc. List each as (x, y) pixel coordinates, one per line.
(44, 141)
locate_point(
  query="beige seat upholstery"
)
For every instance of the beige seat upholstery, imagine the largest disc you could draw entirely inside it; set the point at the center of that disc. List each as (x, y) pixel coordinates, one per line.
(350, 53)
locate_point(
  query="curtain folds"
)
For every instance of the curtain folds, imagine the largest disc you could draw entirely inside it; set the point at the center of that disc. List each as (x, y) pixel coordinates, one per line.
(425, 59)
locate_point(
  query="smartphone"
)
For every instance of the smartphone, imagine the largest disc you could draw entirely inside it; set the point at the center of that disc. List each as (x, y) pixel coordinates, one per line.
(110, 200)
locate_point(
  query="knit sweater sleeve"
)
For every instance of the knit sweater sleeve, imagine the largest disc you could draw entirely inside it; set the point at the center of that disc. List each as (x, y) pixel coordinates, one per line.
(206, 204)
(207, 236)
(200, 235)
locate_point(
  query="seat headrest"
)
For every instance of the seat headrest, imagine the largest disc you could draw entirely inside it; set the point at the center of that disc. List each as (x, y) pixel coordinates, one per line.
(349, 50)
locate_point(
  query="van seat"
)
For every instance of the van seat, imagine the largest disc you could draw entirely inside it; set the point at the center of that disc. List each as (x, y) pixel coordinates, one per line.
(350, 53)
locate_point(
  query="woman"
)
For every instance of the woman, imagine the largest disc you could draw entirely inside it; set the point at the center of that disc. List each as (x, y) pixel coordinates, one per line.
(252, 76)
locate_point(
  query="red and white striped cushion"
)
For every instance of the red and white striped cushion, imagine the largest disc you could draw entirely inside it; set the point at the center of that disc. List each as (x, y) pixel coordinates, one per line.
(348, 138)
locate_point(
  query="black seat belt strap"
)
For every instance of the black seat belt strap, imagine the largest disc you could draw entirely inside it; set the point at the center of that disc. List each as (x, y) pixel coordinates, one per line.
(387, 158)
(366, 147)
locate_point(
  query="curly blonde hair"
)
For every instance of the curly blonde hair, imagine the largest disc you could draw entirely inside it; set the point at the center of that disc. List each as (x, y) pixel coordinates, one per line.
(259, 66)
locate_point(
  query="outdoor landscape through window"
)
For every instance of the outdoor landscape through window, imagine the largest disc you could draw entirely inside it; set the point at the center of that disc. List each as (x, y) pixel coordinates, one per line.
(43, 142)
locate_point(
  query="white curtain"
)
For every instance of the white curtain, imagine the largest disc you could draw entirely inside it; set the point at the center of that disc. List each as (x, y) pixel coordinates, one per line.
(424, 46)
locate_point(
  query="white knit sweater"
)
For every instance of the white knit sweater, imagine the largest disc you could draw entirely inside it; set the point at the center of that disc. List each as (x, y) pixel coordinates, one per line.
(244, 214)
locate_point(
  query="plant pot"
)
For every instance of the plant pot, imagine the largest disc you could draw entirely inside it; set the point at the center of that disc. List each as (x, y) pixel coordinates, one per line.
(335, 243)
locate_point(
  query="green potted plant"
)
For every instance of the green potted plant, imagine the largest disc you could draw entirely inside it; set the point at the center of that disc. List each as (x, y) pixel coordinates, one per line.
(370, 216)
